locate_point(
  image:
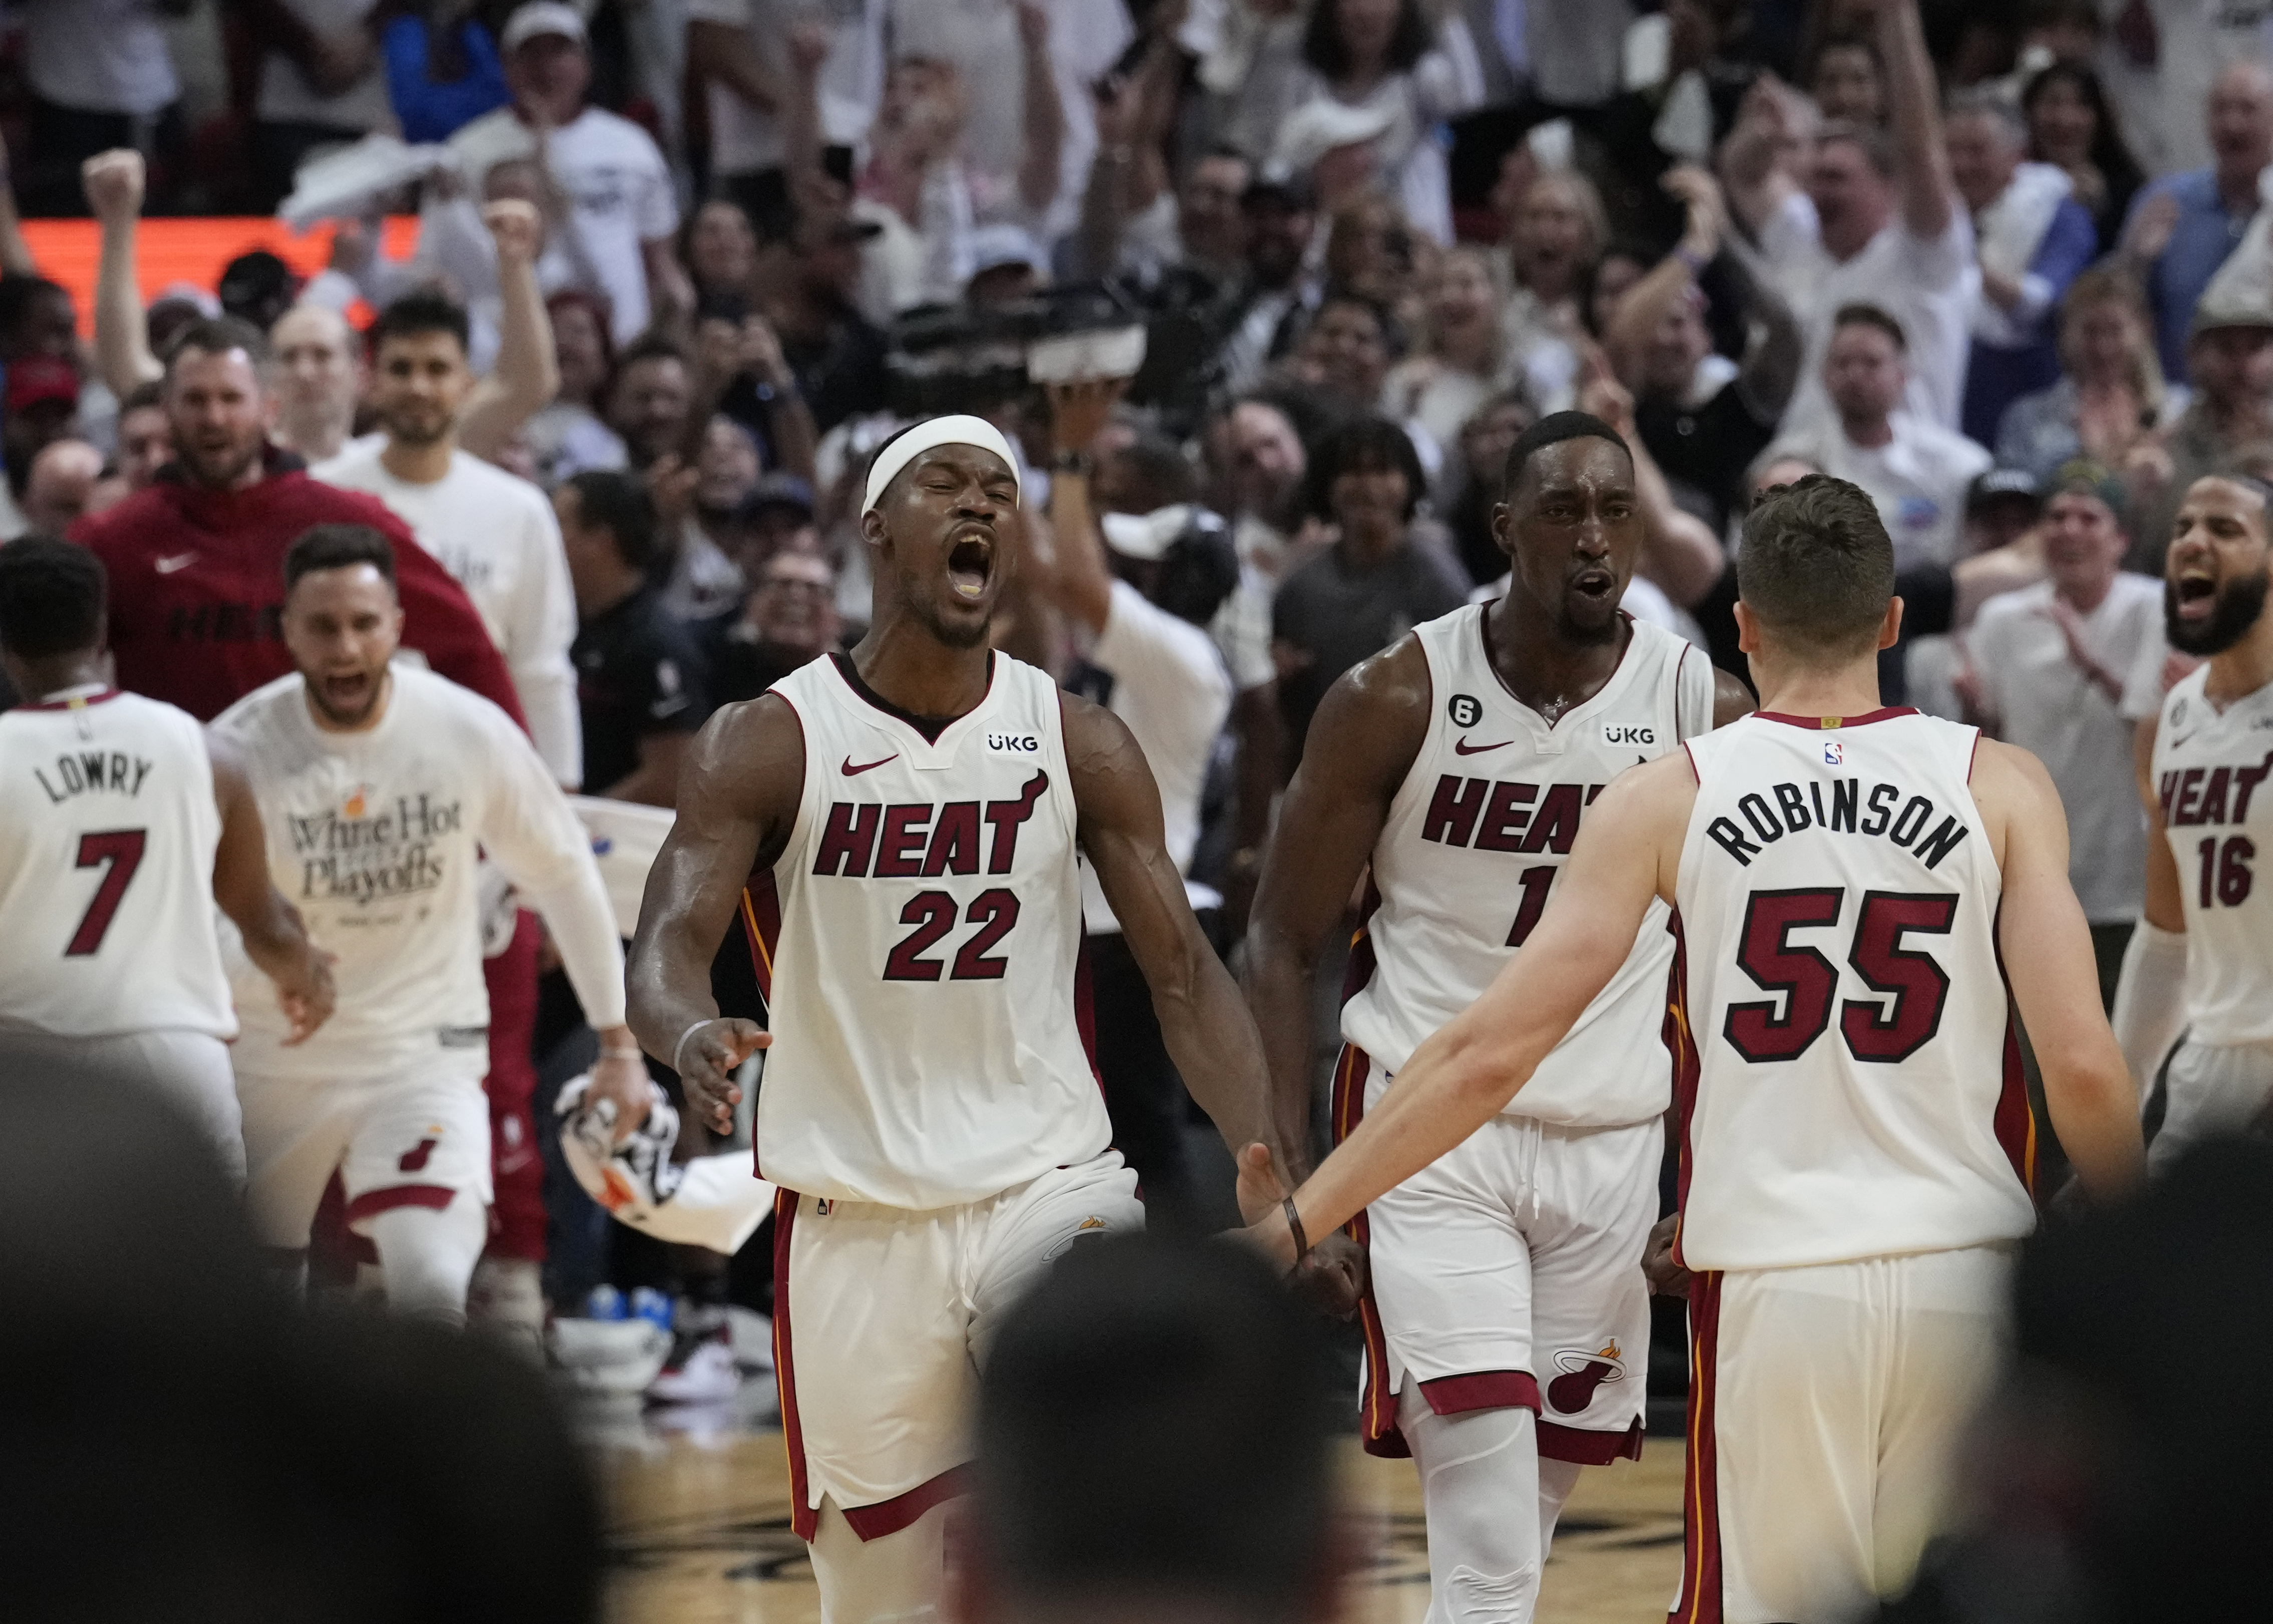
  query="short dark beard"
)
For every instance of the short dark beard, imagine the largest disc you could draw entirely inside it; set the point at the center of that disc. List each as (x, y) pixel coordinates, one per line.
(405, 436)
(234, 469)
(953, 635)
(2240, 604)
(1568, 628)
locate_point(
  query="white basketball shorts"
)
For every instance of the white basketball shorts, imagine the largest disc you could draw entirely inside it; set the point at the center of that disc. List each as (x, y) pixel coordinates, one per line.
(1509, 1273)
(2213, 1089)
(415, 1134)
(190, 1069)
(881, 1318)
(1825, 1406)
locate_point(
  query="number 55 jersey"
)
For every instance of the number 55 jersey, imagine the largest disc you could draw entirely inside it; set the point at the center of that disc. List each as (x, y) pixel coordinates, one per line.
(1858, 1090)
(918, 945)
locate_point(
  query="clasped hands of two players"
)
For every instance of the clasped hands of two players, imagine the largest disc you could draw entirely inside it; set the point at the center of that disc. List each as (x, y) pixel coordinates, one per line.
(1331, 1276)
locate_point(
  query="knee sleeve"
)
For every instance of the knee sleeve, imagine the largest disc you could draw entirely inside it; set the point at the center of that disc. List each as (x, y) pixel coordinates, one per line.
(894, 1580)
(1480, 1482)
(1556, 1479)
(428, 1257)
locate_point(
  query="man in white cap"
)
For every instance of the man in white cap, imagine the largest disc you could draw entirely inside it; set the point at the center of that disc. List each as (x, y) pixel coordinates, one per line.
(900, 829)
(612, 175)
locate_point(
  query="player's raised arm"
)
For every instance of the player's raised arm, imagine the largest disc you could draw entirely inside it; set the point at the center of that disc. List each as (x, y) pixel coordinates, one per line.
(738, 798)
(1627, 853)
(2047, 952)
(1363, 741)
(274, 938)
(1207, 1027)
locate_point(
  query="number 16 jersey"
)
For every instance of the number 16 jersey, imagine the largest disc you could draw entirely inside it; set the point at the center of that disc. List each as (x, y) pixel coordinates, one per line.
(2211, 771)
(919, 947)
(1858, 1091)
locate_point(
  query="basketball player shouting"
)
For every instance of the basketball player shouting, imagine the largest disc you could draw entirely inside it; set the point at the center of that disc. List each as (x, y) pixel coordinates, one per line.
(1507, 1326)
(2202, 956)
(120, 825)
(908, 821)
(1854, 1157)
(378, 784)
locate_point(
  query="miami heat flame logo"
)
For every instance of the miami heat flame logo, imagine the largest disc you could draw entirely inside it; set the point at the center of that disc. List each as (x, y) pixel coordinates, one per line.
(1573, 1390)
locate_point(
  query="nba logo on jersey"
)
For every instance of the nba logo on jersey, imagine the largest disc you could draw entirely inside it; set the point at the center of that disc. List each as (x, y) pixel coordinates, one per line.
(1835, 754)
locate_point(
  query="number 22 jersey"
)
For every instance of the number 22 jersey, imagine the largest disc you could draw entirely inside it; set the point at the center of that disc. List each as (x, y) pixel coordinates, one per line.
(2211, 771)
(918, 945)
(1858, 1087)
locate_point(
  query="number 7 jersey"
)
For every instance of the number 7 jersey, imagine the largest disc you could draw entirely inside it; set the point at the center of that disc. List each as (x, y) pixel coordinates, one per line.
(2211, 771)
(918, 946)
(1856, 1090)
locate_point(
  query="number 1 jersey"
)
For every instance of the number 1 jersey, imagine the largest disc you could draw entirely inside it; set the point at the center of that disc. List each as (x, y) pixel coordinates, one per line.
(1856, 1090)
(918, 947)
(2210, 768)
(107, 830)
(1474, 837)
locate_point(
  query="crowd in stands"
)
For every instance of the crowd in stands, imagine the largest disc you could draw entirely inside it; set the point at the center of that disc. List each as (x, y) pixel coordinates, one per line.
(683, 265)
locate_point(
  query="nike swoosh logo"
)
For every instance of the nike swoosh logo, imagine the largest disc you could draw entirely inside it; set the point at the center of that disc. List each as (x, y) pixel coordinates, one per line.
(1465, 749)
(851, 772)
(180, 561)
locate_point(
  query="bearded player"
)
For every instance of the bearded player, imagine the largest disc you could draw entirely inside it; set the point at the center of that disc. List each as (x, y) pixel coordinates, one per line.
(1507, 1324)
(1858, 888)
(908, 821)
(378, 784)
(2202, 956)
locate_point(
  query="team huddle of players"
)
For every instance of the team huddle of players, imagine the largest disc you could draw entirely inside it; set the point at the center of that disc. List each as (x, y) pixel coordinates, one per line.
(1705, 891)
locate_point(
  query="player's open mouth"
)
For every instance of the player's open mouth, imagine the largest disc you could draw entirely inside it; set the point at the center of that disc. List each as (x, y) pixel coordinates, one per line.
(1595, 583)
(2197, 596)
(969, 564)
(345, 692)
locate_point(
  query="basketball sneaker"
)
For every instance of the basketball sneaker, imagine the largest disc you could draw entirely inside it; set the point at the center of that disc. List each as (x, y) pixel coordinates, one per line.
(701, 1368)
(506, 1300)
(633, 1179)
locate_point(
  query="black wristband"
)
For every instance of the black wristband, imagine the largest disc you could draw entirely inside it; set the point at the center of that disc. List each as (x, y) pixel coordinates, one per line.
(1294, 1229)
(1078, 462)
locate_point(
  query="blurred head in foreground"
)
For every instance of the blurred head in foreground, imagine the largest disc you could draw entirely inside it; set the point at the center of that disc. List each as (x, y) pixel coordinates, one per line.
(1152, 1444)
(183, 1446)
(2122, 1474)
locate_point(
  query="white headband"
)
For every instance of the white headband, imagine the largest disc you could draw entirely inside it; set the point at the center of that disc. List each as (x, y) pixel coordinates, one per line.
(960, 430)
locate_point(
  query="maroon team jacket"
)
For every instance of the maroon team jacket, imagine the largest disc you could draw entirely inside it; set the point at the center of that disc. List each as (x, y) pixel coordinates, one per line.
(196, 588)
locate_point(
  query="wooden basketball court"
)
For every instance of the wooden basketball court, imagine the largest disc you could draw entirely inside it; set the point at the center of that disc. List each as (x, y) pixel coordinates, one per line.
(699, 1527)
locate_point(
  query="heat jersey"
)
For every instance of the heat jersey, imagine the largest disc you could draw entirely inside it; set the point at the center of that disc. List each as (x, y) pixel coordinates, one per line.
(2210, 768)
(917, 947)
(1468, 857)
(373, 836)
(107, 830)
(1859, 1088)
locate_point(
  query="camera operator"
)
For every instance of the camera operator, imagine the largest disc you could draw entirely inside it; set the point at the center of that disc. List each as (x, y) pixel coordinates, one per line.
(1137, 597)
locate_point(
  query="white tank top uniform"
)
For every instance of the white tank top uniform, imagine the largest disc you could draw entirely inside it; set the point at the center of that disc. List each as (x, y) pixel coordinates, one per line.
(1857, 1156)
(928, 1108)
(1474, 839)
(919, 950)
(2210, 770)
(1859, 1093)
(1505, 1275)
(108, 830)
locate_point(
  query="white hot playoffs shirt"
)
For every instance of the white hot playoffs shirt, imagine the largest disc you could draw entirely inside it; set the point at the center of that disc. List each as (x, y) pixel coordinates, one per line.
(919, 945)
(107, 830)
(1857, 1089)
(498, 537)
(373, 836)
(1469, 853)
(2210, 768)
